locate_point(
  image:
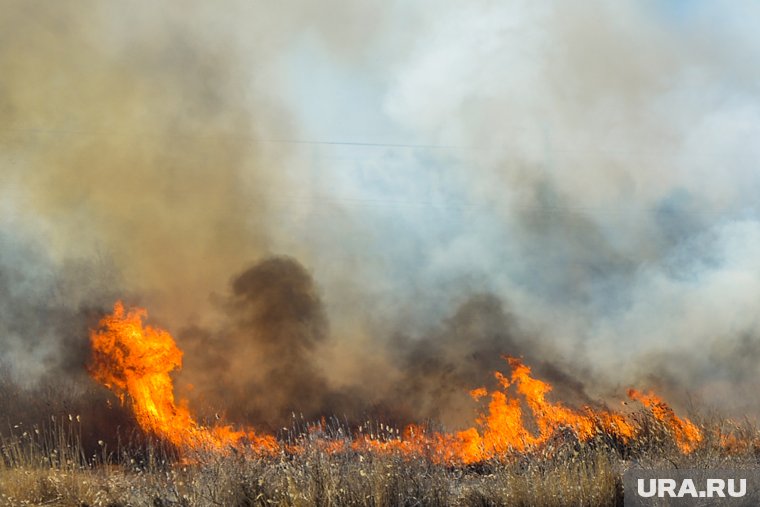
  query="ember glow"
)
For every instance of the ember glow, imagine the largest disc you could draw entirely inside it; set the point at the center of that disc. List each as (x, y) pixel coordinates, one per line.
(134, 361)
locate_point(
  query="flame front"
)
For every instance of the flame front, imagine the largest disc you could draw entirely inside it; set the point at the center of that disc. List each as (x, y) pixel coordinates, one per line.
(686, 433)
(134, 361)
(502, 429)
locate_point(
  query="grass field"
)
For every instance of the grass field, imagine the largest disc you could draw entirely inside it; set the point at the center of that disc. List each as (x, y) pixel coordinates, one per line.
(49, 465)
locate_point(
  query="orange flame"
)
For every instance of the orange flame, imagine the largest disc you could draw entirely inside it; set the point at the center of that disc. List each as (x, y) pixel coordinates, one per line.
(503, 430)
(685, 433)
(135, 361)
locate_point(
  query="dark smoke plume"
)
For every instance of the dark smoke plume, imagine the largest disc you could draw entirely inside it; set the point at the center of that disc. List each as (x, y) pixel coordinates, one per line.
(267, 361)
(259, 366)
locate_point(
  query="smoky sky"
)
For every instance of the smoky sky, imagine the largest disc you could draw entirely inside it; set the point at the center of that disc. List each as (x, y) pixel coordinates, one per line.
(347, 208)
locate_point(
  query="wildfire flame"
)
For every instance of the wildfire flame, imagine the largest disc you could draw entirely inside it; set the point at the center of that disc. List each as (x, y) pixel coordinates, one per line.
(135, 360)
(686, 433)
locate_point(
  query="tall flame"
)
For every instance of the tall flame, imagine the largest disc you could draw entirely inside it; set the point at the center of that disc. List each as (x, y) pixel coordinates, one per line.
(135, 360)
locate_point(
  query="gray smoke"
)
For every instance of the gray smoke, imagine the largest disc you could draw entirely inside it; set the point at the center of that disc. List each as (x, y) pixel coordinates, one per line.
(573, 184)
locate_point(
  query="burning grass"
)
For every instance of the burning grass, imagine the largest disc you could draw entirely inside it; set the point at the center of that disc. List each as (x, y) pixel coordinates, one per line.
(135, 361)
(523, 448)
(317, 465)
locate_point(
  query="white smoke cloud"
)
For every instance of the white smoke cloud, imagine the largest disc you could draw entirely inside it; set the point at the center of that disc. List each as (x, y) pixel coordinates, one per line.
(590, 163)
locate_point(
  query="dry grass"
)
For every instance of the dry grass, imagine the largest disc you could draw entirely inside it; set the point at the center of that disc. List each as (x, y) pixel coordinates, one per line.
(49, 466)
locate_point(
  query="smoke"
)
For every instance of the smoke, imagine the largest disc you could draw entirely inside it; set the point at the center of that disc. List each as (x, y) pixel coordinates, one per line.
(613, 144)
(45, 314)
(441, 367)
(131, 144)
(261, 367)
(569, 183)
(268, 360)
